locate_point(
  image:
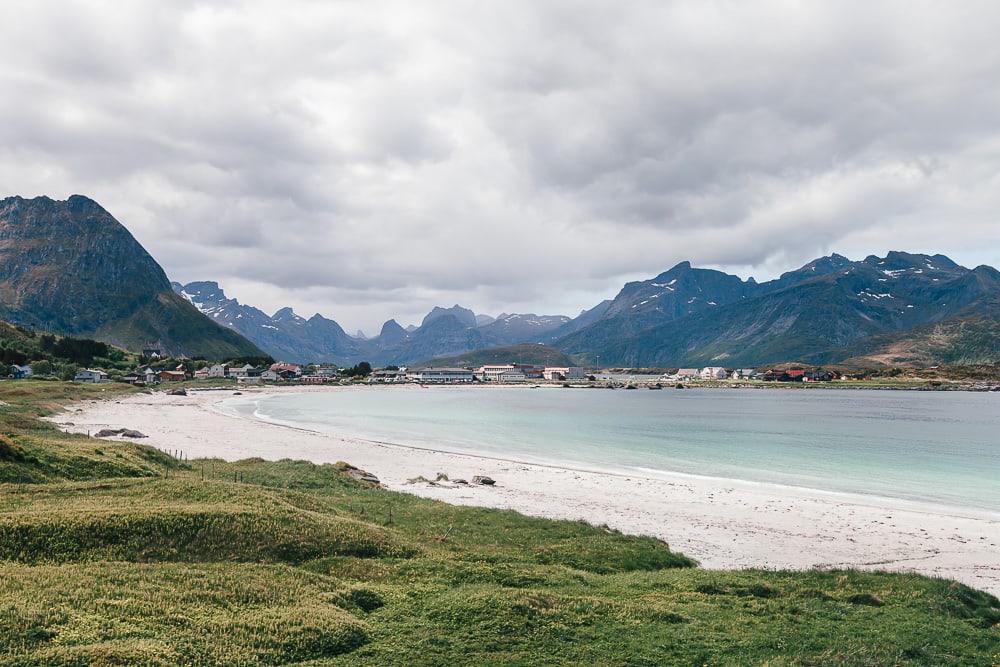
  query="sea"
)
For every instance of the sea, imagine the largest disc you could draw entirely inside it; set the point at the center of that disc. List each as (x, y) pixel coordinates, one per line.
(931, 446)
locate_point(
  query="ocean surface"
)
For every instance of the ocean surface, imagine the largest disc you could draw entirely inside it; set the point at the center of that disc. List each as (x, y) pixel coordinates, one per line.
(941, 447)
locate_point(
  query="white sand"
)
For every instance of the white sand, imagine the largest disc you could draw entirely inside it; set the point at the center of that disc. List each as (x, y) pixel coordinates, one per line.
(723, 523)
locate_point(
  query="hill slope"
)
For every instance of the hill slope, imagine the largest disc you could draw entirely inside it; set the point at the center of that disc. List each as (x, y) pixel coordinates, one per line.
(826, 311)
(69, 267)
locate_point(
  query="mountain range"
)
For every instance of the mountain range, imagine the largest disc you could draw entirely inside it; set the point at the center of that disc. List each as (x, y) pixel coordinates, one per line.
(899, 309)
(70, 268)
(442, 332)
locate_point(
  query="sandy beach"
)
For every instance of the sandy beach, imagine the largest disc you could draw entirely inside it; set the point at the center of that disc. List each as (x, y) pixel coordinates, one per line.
(723, 523)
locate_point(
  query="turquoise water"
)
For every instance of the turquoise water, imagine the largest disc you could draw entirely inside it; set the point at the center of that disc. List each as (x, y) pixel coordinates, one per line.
(942, 447)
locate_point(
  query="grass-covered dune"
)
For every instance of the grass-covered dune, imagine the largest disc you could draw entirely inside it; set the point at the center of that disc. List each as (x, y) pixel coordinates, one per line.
(113, 553)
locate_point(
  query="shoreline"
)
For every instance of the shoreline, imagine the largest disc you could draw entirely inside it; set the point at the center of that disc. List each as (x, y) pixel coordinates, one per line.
(723, 523)
(652, 474)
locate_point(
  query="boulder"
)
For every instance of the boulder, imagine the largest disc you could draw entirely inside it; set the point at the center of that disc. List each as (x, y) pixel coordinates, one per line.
(357, 473)
(483, 480)
(178, 392)
(124, 432)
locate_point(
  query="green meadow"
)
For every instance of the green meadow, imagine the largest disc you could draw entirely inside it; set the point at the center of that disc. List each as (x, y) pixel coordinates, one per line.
(113, 553)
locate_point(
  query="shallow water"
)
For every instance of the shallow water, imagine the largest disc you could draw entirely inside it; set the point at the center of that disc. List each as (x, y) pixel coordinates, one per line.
(942, 447)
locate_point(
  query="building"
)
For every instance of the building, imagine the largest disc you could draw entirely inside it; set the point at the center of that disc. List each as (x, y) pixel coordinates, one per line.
(713, 373)
(149, 376)
(512, 376)
(744, 374)
(388, 376)
(152, 350)
(20, 372)
(91, 375)
(313, 379)
(441, 375)
(329, 371)
(250, 379)
(203, 374)
(270, 376)
(173, 376)
(218, 371)
(286, 370)
(492, 372)
(530, 370)
(131, 378)
(560, 373)
(246, 370)
(687, 373)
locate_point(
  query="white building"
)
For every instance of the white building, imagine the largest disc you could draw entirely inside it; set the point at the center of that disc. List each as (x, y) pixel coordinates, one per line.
(713, 373)
(744, 374)
(149, 376)
(440, 375)
(269, 376)
(218, 371)
(492, 372)
(92, 376)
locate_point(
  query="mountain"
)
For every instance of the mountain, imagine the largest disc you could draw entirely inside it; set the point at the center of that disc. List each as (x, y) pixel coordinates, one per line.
(822, 312)
(483, 320)
(284, 335)
(69, 267)
(464, 316)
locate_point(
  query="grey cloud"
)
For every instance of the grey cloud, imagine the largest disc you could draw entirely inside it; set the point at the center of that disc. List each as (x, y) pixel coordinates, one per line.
(369, 160)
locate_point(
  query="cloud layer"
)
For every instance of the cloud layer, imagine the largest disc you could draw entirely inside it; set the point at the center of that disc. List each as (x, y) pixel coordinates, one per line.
(368, 160)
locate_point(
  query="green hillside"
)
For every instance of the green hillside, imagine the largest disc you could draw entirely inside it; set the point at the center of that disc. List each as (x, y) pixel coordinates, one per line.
(71, 268)
(113, 553)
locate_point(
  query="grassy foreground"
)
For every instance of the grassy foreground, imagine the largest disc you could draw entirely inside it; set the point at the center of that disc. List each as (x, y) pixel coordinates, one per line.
(113, 553)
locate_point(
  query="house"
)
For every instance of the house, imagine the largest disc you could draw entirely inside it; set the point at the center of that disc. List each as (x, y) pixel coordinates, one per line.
(514, 375)
(820, 375)
(173, 376)
(313, 379)
(441, 375)
(286, 370)
(744, 374)
(246, 370)
(791, 375)
(686, 373)
(149, 376)
(218, 371)
(20, 372)
(331, 371)
(152, 350)
(269, 376)
(202, 374)
(560, 373)
(713, 373)
(91, 375)
(131, 378)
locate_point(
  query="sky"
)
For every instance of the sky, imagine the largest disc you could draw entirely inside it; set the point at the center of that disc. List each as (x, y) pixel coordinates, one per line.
(368, 160)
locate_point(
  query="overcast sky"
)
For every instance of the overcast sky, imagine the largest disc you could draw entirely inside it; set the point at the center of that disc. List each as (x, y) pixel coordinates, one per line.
(372, 159)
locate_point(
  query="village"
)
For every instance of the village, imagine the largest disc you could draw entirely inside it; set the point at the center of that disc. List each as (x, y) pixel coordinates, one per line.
(493, 374)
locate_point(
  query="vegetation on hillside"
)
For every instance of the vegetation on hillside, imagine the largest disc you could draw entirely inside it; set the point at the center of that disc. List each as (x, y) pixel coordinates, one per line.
(115, 553)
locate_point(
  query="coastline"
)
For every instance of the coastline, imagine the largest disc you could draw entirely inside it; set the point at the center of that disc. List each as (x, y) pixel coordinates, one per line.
(723, 523)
